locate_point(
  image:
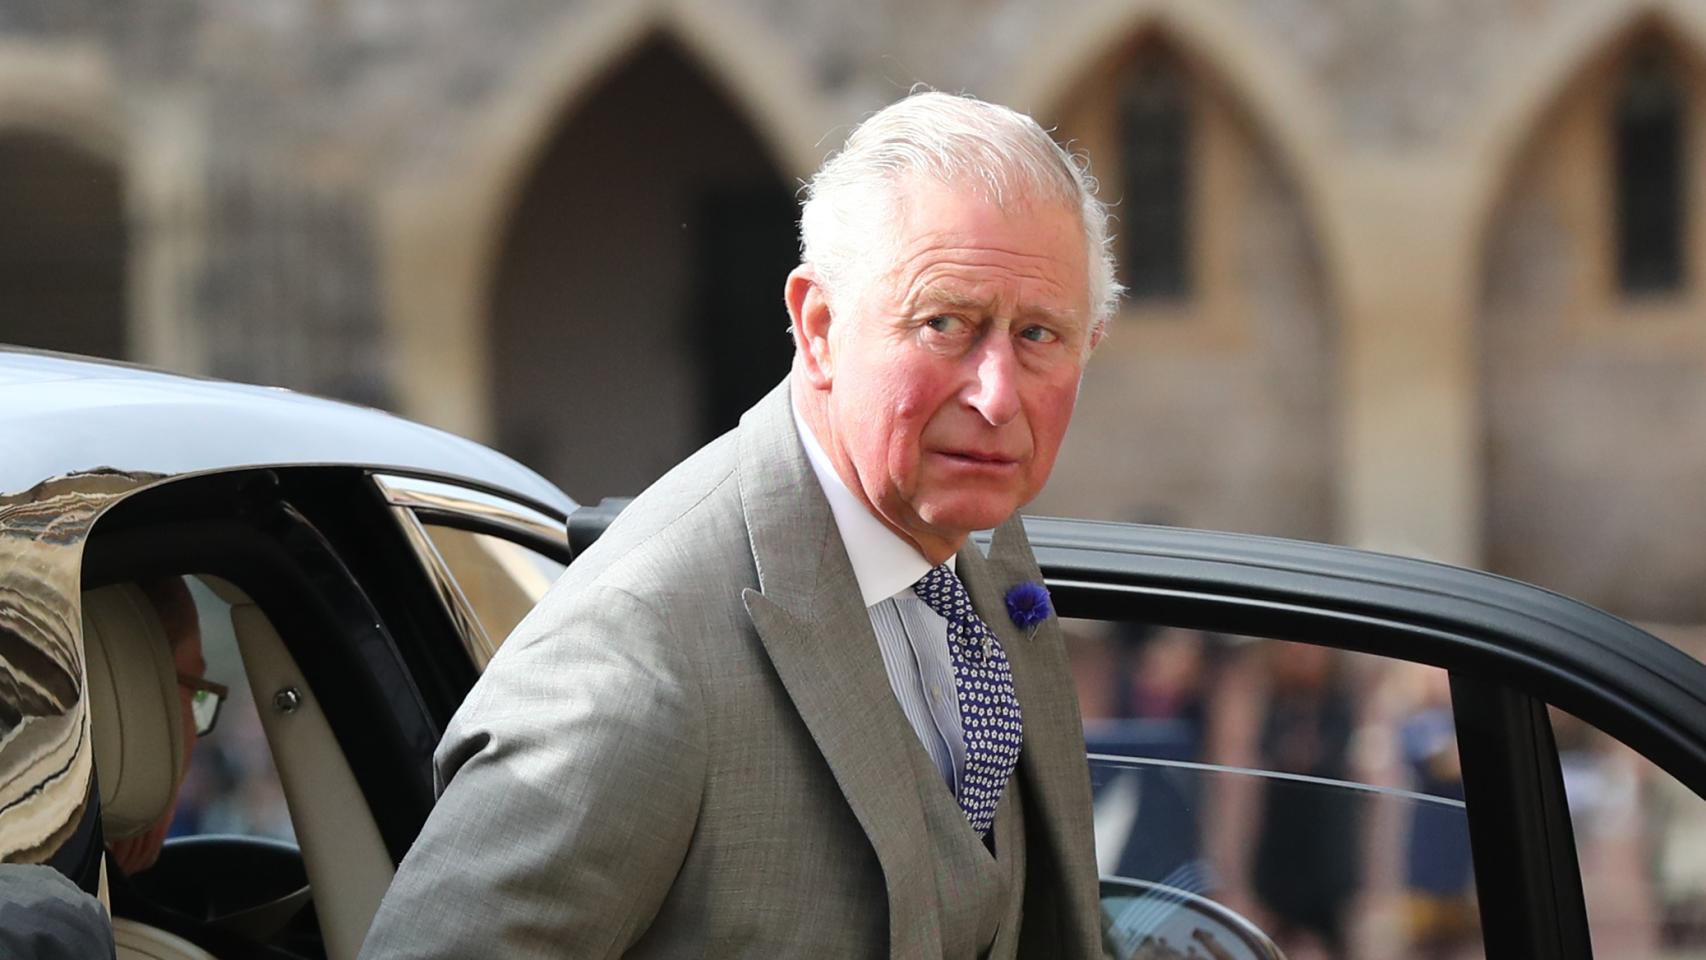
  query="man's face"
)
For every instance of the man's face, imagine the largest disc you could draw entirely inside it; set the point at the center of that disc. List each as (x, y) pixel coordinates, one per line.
(951, 379)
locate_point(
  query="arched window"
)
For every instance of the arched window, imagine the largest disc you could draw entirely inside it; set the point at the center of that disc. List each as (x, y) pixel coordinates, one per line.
(1154, 145)
(1650, 190)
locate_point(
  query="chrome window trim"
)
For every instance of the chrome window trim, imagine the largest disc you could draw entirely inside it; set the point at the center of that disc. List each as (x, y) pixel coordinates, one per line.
(466, 622)
(440, 500)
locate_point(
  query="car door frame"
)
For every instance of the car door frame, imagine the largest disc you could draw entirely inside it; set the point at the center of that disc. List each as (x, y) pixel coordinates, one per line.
(1510, 648)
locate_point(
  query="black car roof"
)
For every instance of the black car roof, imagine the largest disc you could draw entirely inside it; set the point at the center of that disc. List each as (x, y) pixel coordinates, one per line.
(62, 415)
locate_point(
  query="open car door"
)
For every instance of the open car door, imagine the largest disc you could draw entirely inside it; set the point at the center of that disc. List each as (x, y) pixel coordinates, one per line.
(1302, 743)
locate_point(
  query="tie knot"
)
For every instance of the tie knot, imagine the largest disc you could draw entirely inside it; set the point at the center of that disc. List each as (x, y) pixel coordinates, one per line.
(943, 592)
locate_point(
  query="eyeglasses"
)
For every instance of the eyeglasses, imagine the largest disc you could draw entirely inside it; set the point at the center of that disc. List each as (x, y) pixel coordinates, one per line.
(206, 697)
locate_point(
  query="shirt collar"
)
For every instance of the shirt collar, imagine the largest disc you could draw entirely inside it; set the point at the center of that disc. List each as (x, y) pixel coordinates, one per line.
(884, 564)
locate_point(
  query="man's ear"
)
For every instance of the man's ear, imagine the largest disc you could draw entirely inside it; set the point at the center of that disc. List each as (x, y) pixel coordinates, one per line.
(809, 315)
(1097, 332)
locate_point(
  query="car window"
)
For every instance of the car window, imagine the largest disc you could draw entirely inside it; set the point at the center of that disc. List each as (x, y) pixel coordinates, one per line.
(231, 786)
(489, 558)
(1314, 792)
(500, 579)
(1641, 841)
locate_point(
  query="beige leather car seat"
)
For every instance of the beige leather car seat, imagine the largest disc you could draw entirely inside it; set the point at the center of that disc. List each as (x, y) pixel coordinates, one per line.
(138, 941)
(134, 717)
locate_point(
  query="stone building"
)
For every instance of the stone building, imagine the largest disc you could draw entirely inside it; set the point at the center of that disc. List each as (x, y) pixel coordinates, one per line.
(1419, 275)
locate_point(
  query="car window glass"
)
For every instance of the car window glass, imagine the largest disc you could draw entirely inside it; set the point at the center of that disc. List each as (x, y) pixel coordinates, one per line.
(1313, 791)
(1641, 841)
(231, 786)
(500, 578)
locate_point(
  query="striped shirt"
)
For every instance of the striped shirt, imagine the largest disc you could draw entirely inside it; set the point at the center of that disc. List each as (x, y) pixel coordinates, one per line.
(912, 638)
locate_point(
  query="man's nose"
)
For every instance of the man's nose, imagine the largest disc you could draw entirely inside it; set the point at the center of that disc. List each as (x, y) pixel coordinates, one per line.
(994, 390)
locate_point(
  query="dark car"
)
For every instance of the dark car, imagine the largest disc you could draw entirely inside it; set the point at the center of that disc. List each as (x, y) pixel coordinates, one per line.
(1293, 743)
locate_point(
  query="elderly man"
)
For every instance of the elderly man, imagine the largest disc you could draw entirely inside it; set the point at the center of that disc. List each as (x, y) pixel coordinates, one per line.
(781, 708)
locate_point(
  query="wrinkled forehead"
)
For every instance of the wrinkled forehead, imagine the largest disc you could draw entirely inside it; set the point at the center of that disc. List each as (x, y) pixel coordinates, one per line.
(915, 208)
(1031, 235)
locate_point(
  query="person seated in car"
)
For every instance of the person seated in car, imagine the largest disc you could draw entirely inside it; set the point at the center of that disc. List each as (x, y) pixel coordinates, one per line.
(199, 703)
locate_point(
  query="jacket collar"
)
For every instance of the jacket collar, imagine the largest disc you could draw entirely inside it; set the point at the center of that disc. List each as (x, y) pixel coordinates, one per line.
(813, 624)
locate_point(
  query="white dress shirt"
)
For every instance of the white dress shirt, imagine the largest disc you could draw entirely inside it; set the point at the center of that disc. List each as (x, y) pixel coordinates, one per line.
(912, 638)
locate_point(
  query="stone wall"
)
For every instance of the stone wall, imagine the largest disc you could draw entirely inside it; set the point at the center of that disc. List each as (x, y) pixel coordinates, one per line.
(318, 194)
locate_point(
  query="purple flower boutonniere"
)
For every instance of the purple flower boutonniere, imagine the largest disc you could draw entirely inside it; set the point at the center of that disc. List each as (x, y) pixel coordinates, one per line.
(1027, 604)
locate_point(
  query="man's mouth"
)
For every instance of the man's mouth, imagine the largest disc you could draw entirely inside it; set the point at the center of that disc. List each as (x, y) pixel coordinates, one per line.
(979, 457)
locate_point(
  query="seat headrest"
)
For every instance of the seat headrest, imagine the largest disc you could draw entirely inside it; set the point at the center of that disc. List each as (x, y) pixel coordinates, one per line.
(135, 713)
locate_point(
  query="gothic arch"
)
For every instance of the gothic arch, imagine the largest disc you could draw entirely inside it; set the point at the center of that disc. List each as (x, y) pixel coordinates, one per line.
(1269, 345)
(444, 232)
(1277, 96)
(1493, 141)
(639, 282)
(1572, 357)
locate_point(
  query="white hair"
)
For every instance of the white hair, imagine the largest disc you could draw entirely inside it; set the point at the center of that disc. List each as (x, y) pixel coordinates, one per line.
(1003, 154)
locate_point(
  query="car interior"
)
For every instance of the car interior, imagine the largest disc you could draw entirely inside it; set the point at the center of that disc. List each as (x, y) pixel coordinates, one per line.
(267, 547)
(245, 887)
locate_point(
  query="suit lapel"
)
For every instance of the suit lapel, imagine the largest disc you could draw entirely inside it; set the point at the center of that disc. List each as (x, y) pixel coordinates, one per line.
(1052, 766)
(814, 627)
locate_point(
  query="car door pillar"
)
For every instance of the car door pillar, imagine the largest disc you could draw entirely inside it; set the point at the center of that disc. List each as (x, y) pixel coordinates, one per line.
(1526, 873)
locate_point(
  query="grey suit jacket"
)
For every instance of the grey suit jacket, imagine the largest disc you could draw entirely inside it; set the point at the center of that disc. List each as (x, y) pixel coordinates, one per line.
(690, 748)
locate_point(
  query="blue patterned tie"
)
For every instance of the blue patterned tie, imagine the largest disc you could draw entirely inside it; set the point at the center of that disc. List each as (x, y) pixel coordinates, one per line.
(989, 710)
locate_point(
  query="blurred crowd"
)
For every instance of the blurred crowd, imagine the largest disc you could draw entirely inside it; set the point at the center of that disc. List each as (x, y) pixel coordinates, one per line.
(1318, 793)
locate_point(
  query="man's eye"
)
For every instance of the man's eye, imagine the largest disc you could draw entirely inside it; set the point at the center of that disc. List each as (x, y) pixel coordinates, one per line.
(1039, 334)
(945, 323)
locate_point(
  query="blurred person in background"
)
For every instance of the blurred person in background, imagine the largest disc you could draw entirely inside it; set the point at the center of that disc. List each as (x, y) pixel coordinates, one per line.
(1166, 685)
(1674, 831)
(1307, 865)
(233, 788)
(1676, 848)
(1164, 716)
(1439, 876)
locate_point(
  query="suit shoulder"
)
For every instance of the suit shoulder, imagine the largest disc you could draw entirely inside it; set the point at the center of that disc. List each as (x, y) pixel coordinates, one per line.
(685, 530)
